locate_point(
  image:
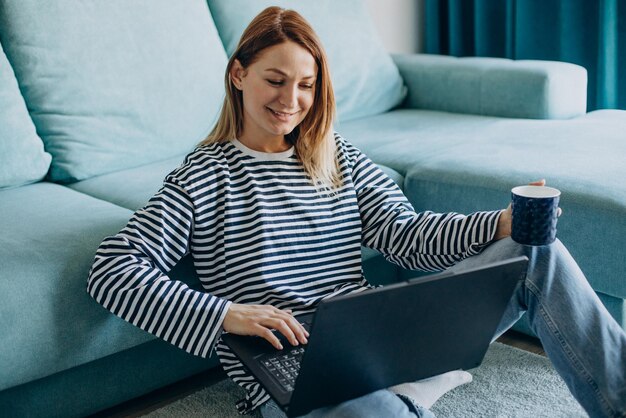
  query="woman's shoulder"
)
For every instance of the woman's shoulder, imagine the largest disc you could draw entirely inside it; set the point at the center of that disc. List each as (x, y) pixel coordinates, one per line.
(205, 162)
(208, 154)
(345, 149)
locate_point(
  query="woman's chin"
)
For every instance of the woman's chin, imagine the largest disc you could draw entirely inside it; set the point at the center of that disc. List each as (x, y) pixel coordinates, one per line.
(283, 130)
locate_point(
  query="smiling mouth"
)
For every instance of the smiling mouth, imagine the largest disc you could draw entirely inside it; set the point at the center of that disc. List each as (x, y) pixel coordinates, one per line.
(281, 115)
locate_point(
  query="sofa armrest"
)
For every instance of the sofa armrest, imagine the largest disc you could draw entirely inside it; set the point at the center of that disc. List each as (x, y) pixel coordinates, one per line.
(494, 86)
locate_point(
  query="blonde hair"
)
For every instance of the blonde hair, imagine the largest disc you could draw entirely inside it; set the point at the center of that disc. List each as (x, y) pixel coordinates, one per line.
(313, 137)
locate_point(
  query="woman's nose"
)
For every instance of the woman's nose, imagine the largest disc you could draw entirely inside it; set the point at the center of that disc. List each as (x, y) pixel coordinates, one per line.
(289, 97)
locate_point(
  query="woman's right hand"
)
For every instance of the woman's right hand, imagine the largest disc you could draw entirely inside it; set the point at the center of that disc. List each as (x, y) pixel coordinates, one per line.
(259, 320)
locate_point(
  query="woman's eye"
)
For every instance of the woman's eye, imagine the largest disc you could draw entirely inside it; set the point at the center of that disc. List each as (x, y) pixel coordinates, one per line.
(275, 82)
(306, 86)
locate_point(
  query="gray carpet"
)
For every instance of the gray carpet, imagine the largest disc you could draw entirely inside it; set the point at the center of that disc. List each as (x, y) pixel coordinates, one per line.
(509, 383)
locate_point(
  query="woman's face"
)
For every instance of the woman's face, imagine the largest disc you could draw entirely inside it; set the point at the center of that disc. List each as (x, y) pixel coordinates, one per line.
(278, 91)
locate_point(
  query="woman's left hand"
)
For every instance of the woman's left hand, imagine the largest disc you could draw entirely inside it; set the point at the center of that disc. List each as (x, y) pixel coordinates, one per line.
(503, 229)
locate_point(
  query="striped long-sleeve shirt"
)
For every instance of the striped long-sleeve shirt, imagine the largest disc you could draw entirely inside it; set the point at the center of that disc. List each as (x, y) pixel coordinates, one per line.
(259, 232)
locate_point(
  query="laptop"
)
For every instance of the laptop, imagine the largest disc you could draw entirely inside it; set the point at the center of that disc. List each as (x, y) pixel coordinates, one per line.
(363, 342)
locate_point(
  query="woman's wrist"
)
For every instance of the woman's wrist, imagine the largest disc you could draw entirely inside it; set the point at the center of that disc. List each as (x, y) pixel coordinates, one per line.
(503, 227)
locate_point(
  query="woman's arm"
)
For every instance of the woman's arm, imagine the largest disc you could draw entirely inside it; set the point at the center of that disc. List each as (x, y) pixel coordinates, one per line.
(128, 276)
(418, 241)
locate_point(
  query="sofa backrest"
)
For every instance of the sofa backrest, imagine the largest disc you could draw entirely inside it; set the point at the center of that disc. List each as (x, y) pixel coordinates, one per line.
(501, 87)
(115, 84)
(22, 156)
(365, 78)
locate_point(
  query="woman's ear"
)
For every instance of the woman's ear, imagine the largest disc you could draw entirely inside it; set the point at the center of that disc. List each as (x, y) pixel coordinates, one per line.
(236, 74)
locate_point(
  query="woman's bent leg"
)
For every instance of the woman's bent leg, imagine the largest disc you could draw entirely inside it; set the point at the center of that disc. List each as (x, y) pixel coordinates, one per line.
(382, 403)
(585, 344)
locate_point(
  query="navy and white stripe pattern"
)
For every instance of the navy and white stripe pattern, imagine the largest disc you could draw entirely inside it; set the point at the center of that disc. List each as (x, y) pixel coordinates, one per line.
(261, 233)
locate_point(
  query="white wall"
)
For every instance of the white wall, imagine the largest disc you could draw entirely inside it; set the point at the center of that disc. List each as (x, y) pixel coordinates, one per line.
(399, 23)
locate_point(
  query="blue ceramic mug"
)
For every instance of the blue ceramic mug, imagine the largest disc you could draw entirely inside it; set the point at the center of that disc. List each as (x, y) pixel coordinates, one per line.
(535, 213)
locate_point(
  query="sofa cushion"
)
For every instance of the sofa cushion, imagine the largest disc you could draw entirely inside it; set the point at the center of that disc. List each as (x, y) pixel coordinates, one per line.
(131, 188)
(466, 163)
(104, 383)
(115, 84)
(494, 86)
(365, 79)
(48, 322)
(22, 157)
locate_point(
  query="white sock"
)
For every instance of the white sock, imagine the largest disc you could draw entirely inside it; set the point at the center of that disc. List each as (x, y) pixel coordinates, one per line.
(426, 392)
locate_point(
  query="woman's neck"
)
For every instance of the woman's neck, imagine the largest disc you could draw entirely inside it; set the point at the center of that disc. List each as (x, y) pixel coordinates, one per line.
(265, 144)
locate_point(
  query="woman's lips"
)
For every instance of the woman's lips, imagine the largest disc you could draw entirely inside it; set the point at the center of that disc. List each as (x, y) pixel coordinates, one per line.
(283, 116)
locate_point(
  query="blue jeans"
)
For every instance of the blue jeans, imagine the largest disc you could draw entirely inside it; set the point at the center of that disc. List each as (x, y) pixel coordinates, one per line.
(382, 403)
(585, 344)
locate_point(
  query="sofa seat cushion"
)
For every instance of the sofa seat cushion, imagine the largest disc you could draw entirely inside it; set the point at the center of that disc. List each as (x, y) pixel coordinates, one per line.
(104, 383)
(131, 188)
(48, 322)
(115, 84)
(465, 163)
(22, 157)
(365, 79)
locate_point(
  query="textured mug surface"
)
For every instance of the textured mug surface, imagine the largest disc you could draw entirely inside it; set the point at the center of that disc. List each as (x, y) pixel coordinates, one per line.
(535, 213)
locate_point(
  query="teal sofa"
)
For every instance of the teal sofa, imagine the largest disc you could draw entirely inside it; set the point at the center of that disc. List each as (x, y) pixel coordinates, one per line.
(100, 100)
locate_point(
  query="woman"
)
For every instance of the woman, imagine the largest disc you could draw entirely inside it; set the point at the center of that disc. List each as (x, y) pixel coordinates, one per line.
(274, 208)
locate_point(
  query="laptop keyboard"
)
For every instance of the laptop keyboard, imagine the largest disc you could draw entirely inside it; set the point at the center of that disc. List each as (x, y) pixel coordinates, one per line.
(285, 367)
